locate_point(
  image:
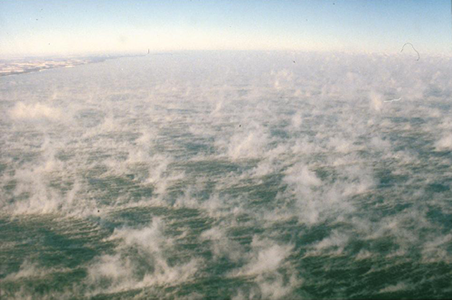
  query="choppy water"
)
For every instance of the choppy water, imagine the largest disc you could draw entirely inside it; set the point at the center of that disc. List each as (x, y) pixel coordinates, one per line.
(228, 175)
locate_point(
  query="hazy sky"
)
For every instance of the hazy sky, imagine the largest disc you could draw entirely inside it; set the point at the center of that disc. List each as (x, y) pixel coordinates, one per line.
(97, 26)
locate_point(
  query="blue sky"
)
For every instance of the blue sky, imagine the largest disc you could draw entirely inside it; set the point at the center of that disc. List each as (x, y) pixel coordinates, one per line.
(79, 27)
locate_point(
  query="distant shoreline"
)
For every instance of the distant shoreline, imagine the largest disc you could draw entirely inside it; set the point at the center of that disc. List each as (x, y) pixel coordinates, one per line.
(23, 66)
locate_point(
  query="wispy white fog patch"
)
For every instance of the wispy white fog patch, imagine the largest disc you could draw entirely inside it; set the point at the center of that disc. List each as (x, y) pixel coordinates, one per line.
(376, 101)
(363, 254)
(22, 111)
(148, 267)
(249, 142)
(268, 257)
(27, 269)
(332, 245)
(265, 263)
(445, 143)
(222, 246)
(437, 250)
(401, 286)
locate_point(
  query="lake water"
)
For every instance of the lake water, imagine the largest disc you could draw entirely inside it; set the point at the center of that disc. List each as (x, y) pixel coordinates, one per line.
(228, 175)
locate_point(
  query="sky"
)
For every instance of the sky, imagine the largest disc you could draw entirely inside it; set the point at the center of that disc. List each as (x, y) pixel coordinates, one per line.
(108, 27)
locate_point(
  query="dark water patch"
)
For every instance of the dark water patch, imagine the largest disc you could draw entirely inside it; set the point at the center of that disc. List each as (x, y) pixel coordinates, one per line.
(437, 188)
(51, 245)
(89, 118)
(312, 234)
(443, 220)
(199, 148)
(387, 178)
(110, 190)
(209, 168)
(213, 287)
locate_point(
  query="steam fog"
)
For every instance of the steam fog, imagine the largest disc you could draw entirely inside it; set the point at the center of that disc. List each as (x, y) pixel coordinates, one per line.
(245, 175)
